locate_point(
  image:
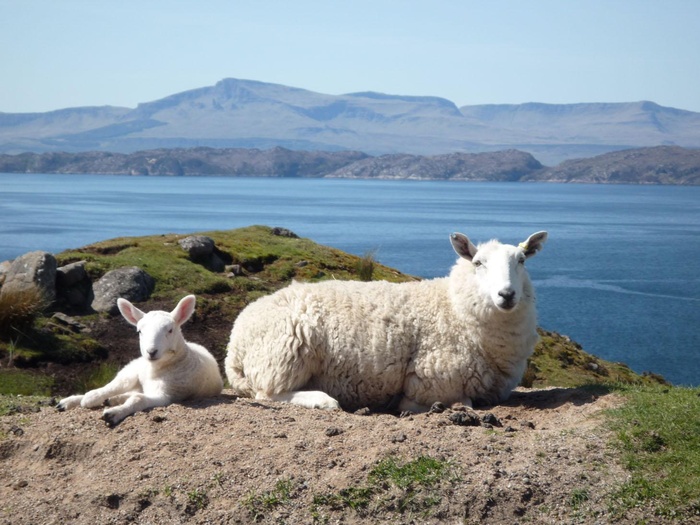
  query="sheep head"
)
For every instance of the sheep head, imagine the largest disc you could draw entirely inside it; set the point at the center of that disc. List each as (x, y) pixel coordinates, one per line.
(499, 269)
(159, 332)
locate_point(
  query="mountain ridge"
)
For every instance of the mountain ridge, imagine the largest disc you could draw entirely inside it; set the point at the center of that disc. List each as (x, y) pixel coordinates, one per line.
(656, 165)
(236, 113)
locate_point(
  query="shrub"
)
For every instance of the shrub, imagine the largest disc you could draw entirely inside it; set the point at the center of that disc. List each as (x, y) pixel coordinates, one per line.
(19, 309)
(365, 266)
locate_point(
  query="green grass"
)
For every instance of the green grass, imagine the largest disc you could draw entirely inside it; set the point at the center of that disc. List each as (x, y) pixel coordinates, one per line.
(658, 435)
(13, 404)
(558, 361)
(24, 382)
(402, 487)
(95, 377)
(260, 505)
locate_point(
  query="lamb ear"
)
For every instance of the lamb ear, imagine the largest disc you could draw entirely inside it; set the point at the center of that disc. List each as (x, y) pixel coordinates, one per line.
(533, 244)
(463, 246)
(184, 309)
(132, 314)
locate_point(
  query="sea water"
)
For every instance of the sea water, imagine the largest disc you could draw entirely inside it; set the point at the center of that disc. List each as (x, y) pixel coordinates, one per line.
(619, 273)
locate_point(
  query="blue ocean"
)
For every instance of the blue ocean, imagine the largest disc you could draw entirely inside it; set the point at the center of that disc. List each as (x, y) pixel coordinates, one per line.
(619, 273)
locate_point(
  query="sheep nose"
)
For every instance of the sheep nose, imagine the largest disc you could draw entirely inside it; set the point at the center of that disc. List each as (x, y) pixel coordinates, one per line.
(508, 297)
(152, 352)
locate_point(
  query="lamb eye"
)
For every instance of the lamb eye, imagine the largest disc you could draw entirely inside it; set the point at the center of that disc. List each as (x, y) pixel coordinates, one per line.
(170, 331)
(478, 264)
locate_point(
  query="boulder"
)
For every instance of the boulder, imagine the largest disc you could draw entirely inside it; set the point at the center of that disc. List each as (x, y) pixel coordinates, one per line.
(202, 250)
(130, 283)
(74, 287)
(32, 270)
(284, 232)
(198, 246)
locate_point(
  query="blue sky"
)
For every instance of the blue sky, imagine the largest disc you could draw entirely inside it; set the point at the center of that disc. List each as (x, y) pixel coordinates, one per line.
(67, 53)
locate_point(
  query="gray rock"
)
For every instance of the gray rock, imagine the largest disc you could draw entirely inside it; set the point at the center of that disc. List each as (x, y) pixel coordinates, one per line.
(4, 268)
(202, 250)
(130, 283)
(198, 246)
(71, 274)
(32, 270)
(284, 232)
(235, 270)
(74, 287)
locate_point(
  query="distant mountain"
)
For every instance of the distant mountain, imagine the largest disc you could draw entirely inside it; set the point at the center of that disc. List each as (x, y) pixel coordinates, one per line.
(658, 165)
(502, 166)
(276, 162)
(249, 114)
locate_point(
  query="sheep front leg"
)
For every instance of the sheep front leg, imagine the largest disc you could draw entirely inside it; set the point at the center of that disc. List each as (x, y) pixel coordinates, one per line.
(136, 402)
(70, 402)
(125, 381)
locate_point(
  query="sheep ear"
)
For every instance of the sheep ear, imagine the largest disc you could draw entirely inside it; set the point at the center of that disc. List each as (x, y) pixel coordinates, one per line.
(533, 244)
(463, 246)
(184, 309)
(132, 314)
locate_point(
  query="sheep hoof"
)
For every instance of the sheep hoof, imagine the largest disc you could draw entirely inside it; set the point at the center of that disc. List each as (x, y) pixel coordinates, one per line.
(111, 420)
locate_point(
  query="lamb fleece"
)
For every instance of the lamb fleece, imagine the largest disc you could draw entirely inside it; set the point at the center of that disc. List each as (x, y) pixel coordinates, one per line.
(366, 343)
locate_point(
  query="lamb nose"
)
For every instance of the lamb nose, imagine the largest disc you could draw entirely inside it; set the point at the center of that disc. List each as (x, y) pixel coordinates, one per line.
(152, 352)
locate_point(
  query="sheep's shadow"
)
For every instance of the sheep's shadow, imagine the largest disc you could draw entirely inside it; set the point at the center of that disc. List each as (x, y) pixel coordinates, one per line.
(536, 399)
(549, 398)
(224, 398)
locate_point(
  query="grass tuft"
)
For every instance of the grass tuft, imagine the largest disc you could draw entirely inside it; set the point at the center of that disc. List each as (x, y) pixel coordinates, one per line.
(364, 268)
(18, 311)
(395, 486)
(261, 505)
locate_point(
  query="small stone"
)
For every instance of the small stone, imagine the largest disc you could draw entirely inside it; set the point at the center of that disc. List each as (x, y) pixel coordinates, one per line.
(491, 419)
(333, 431)
(437, 408)
(399, 438)
(362, 412)
(465, 419)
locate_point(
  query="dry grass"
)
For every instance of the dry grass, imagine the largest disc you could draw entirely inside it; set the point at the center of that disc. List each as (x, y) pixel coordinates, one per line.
(18, 311)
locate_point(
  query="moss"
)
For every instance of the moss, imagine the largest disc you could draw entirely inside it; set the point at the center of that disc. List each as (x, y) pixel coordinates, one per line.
(24, 382)
(559, 361)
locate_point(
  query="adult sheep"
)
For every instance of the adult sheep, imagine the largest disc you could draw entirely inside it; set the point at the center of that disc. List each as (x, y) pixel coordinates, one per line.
(455, 339)
(169, 370)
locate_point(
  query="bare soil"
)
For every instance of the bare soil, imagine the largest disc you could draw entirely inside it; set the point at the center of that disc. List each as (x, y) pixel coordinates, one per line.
(546, 459)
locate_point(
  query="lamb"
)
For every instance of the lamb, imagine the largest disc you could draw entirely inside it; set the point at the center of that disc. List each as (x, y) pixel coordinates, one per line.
(169, 370)
(459, 339)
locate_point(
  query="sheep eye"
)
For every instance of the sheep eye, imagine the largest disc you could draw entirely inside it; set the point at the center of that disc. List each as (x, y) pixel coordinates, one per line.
(521, 260)
(170, 331)
(478, 264)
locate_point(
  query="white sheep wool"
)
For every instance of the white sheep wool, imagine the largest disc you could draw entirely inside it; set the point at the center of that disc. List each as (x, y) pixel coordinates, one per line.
(458, 339)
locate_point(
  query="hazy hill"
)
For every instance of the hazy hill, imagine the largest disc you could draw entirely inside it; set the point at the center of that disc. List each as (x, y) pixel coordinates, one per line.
(658, 165)
(249, 114)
